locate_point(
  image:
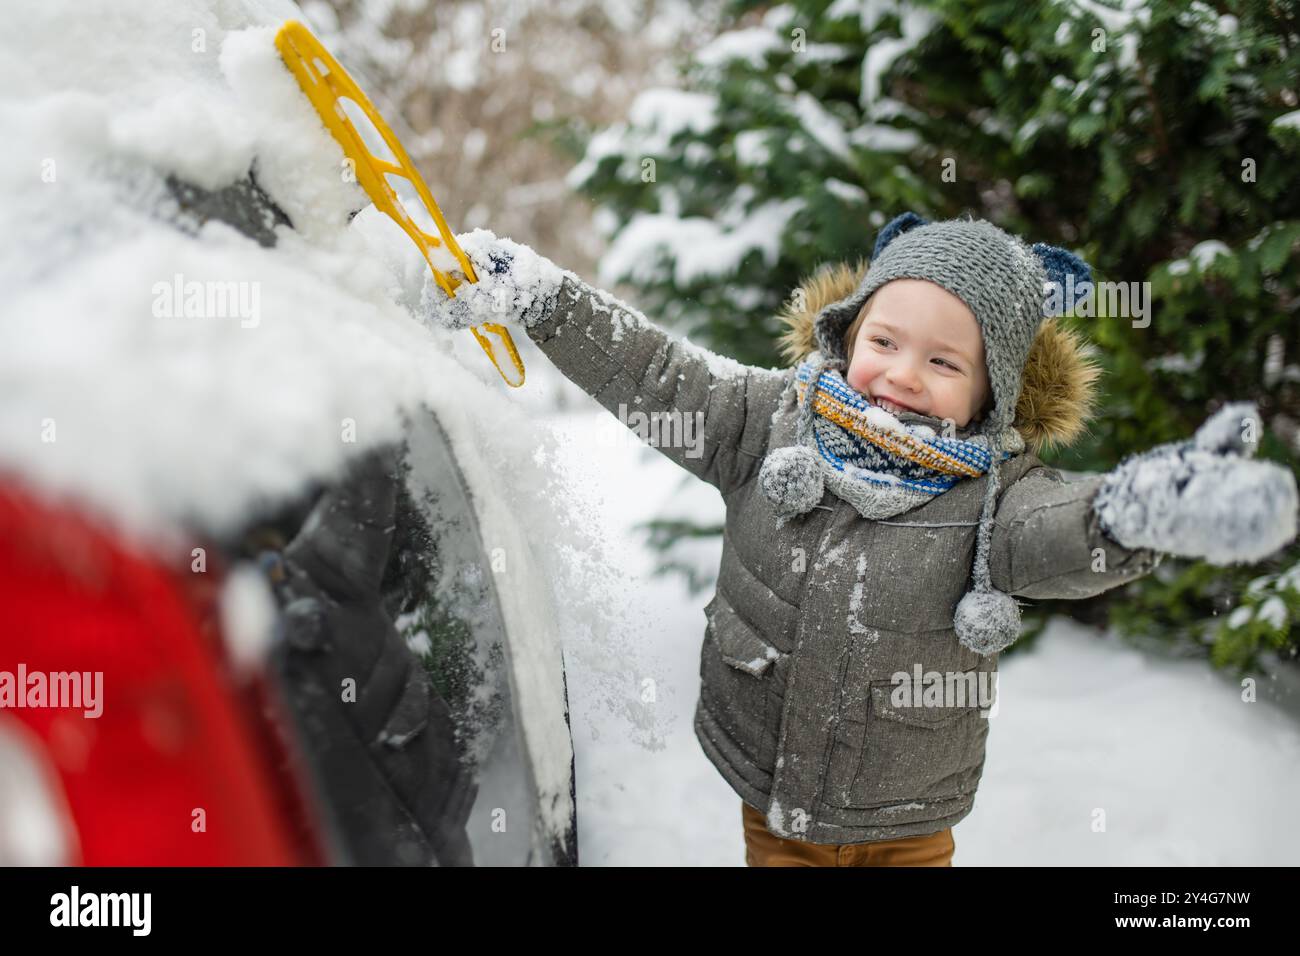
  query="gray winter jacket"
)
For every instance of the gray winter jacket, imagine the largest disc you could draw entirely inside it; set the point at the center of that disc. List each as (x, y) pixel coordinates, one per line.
(812, 621)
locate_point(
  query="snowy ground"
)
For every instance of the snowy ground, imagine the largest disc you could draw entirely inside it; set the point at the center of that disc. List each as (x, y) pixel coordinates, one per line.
(1185, 772)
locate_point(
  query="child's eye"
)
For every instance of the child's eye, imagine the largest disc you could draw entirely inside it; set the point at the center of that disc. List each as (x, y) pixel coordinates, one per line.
(877, 338)
(949, 364)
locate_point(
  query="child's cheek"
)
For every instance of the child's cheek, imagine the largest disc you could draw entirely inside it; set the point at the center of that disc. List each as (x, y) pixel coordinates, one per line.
(859, 375)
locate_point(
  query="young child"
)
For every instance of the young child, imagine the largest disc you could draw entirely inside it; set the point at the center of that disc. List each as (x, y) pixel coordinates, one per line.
(885, 507)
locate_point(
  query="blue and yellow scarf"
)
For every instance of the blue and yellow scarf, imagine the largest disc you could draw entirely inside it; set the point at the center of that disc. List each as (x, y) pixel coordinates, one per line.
(867, 456)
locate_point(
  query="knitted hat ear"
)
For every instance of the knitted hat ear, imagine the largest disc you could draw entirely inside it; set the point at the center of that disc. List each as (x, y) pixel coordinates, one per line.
(1069, 278)
(895, 228)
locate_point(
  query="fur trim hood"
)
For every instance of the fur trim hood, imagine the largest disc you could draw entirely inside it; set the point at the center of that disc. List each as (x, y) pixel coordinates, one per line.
(1058, 394)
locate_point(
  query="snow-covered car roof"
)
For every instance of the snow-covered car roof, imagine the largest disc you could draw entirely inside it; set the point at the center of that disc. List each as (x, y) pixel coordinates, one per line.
(170, 377)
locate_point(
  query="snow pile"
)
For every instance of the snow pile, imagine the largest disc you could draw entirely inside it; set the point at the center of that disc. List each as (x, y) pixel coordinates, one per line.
(152, 414)
(128, 385)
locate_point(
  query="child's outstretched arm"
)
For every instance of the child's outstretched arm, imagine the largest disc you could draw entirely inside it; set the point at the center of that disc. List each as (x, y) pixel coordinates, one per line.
(1048, 542)
(1200, 498)
(707, 413)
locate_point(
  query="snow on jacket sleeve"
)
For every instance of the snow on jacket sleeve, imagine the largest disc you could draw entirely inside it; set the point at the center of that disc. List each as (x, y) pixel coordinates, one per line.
(1047, 542)
(709, 414)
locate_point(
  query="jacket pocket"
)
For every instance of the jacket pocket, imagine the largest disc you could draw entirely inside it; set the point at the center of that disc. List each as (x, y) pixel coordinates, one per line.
(886, 753)
(742, 680)
(738, 643)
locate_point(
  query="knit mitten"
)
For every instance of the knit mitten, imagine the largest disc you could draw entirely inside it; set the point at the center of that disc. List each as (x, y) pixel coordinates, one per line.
(515, 286)
(1203, 497)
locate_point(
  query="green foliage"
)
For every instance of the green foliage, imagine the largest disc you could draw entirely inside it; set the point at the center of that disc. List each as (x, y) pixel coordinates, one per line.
(1228, 617)
(468, 677)
(664, 533)
(1161, 143)
(1263, 619)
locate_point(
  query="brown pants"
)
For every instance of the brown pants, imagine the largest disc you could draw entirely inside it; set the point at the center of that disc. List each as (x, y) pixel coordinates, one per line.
(765, 848)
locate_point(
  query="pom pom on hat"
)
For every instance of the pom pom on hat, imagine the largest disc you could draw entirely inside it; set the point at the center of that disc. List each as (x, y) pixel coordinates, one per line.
(895, 228)
(1067, 273)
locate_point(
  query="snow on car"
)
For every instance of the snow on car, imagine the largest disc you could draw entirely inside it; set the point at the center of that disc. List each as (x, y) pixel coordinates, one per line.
(301, 540)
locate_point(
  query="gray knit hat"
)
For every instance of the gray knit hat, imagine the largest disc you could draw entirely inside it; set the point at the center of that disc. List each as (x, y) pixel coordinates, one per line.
(1006, 284)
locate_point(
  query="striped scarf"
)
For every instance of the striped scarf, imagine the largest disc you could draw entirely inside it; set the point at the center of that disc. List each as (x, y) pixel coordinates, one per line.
(870, 458)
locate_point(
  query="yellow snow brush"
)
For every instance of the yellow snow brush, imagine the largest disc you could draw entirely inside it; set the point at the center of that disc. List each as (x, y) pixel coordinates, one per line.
(330, 89)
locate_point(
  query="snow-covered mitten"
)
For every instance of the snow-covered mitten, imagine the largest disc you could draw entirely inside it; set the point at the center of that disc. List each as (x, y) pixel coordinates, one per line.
(1203, 497)
(515, 286)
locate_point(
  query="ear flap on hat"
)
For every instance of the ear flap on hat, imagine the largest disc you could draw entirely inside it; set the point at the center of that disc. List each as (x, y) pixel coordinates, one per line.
(895, 228)
(1069, 278)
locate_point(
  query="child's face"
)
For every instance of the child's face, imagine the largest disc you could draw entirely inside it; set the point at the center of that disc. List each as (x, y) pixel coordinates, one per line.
(920, 348)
